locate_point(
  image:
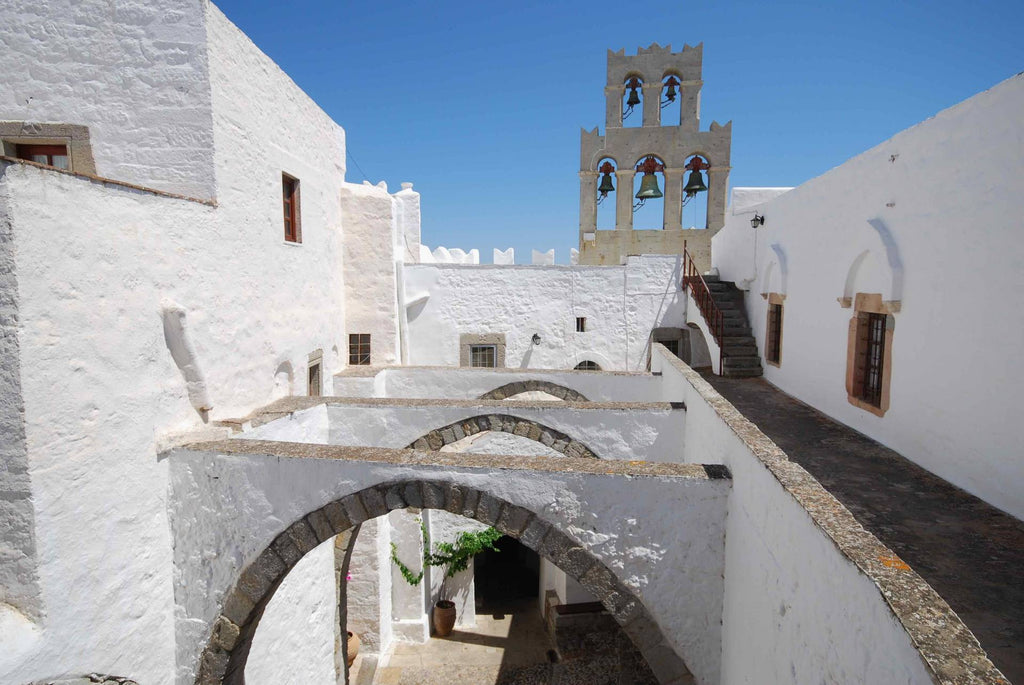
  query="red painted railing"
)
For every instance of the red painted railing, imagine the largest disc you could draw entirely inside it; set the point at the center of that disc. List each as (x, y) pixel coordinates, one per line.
(702, 296)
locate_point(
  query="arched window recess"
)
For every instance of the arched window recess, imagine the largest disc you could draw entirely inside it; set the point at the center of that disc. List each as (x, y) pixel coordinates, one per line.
(632, 97)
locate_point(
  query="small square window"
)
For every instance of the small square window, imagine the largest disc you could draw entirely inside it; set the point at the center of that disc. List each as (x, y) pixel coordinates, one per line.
(482, 356)
(290, 202)
(359, 349)
(581, 324)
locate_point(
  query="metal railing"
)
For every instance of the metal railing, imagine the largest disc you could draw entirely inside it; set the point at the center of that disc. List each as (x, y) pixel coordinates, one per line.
(702, 296)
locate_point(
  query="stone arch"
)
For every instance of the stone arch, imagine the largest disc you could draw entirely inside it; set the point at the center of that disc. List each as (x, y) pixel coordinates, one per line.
(226, 652)
(505, 423)
(510, 389)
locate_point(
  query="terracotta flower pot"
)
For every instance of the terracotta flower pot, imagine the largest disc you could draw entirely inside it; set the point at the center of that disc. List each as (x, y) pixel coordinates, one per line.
(444, 617)
(352, 647)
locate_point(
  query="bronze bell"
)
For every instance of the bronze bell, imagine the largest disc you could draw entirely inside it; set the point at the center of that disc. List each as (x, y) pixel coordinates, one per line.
(606, 184)
(694, 184)
(649, 189)
(670, 94)
(634, 98)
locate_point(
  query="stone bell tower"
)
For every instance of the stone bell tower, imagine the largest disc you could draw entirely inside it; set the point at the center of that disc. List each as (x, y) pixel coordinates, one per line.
(675, 150)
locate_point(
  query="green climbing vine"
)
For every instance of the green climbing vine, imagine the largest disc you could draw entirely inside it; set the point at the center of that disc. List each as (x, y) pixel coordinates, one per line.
(452, 556)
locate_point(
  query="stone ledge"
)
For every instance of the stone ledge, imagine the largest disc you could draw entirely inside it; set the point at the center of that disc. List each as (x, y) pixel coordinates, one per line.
(407, 457)
(289, 405)
(363, 371)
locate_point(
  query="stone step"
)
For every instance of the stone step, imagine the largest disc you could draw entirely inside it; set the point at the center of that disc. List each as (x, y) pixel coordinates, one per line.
(741, 362)
(738, 340)
(743, 373)
(732, 351)
(735, 331)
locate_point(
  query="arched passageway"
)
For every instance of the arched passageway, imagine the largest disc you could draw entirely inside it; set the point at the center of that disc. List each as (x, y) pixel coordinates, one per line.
(549, 437)
(225, 654)
(512, 389)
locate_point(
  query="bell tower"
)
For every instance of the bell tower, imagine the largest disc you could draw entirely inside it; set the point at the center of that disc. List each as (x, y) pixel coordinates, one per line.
(689, 164)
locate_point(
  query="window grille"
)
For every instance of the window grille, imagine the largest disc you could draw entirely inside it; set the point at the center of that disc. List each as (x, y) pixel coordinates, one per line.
(359, 349)
(482, 356)
(588, 366)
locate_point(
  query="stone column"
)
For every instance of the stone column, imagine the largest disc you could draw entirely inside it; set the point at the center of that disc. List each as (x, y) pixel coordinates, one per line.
(624, 199)
(613, 106)
(588, 202)
(652, 103)
(718, 183)
(689, 105)
(673, 199)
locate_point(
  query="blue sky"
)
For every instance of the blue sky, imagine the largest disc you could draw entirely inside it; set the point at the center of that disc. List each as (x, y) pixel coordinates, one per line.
(480, 103)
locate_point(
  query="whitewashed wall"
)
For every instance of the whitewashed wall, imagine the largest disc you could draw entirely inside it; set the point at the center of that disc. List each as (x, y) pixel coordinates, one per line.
(469, 384)
(650, 434)
(937, 211)
(294, 642)
(796, 610)
(621, 303)
(134, 72)
(95, 263)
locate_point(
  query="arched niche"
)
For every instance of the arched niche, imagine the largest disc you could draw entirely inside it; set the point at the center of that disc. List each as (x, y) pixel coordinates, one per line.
(605, 212)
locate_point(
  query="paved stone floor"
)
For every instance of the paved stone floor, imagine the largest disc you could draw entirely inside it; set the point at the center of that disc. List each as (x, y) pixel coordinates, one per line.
(970, 552)
(509, 649)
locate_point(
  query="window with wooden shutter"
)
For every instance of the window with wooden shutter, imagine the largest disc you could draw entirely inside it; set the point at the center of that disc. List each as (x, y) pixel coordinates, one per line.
(773, 339)
(290, 192)
(869, 354)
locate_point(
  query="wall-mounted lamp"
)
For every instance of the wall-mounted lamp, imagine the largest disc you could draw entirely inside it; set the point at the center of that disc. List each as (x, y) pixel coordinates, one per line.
(758, 220)
(536, 338)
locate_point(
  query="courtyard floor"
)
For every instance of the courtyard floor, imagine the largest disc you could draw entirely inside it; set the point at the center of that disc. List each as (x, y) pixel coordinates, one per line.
(512, 648)
(969, 551)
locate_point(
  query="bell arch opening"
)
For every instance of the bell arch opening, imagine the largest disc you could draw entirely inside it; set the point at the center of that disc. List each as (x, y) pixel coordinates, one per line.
(648, 195)
(633, 102)
(226, 653)
(606, 199)
(695, 192)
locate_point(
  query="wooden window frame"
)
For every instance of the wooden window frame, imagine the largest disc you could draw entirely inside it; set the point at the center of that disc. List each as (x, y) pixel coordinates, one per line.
(359, 349)
(27, 151)
(773, 329)
(862, 352)
(315, 374)
(581, 324)
(291, 207)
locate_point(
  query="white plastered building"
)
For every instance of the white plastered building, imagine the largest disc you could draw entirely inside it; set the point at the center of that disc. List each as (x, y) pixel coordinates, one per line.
(197, 255)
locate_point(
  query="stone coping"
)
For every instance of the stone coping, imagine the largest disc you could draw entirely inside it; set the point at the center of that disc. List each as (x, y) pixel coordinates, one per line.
(106, 181)
(290, 405)
(412, 457)
(370, 371)
(949, 649)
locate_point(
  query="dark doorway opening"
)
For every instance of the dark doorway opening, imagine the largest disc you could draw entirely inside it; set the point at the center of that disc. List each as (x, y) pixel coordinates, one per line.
(506, 578)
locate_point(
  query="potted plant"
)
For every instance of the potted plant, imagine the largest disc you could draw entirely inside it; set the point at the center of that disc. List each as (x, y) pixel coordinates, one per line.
(453, 557)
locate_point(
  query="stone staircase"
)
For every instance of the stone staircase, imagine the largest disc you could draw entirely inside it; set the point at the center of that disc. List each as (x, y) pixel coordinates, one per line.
(740, 358)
